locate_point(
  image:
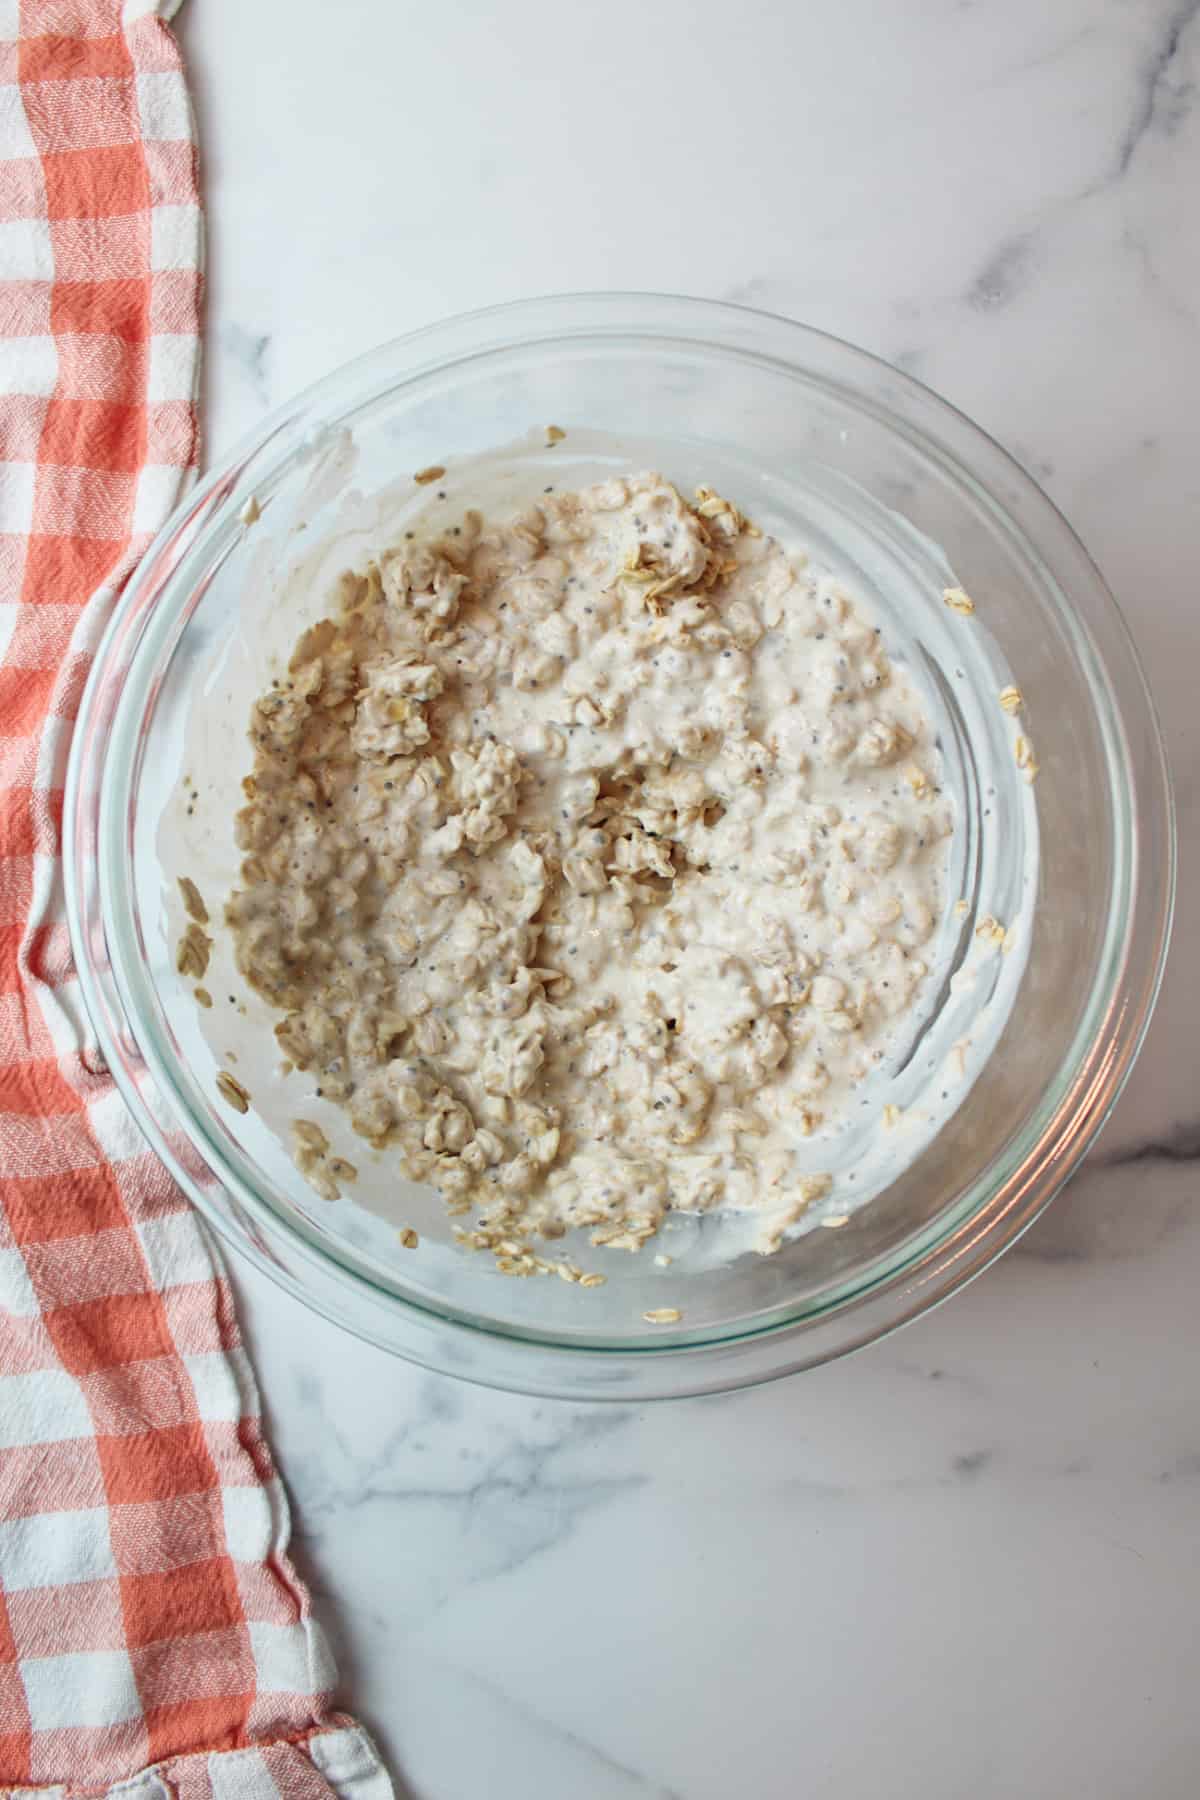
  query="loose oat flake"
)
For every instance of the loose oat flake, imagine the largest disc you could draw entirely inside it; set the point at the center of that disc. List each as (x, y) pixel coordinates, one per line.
(191, 957)
(311, 1153)
(958, 601)
(193, 900)
(233, 1092)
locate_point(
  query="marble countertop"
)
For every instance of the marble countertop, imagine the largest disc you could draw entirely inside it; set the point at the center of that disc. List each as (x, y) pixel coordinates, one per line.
(958, 1562)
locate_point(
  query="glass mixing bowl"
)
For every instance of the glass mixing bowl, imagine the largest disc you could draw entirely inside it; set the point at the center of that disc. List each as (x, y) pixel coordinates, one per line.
(886, 481)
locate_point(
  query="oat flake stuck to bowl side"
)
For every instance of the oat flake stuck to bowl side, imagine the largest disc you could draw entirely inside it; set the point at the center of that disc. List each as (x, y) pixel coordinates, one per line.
(311, 1153)
(233, 1092)
(193, 900)
(592, 858)
(192, 953)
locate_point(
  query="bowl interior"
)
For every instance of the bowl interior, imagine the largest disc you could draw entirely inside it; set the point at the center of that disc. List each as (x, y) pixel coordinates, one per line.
(836, 454)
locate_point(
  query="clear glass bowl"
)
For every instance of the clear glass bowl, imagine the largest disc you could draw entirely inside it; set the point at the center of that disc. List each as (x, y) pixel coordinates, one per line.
(846, 454)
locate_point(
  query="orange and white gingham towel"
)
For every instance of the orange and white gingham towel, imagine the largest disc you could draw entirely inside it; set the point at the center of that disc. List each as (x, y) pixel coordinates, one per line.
(152, 1629)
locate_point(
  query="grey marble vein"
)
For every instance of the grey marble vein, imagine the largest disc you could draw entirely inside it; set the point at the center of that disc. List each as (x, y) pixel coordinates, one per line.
(1007, 271)
(963, 1469)
(248, 350)
(1164, 96)
(1183, 1468)
(1030, 62)
(520, 1505)
(591, 1753)
(1180, 305)
(1102, 1216)
(969, 1463)
(1181, 1145)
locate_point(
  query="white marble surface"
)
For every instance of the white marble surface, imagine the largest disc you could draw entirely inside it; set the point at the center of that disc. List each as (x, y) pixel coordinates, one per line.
(965, 1561)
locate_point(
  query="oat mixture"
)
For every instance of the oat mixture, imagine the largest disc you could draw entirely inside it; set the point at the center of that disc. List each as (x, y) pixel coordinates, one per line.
(592, 858)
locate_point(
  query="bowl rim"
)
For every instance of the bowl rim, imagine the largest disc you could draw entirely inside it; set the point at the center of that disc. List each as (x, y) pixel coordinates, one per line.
(963, 1243)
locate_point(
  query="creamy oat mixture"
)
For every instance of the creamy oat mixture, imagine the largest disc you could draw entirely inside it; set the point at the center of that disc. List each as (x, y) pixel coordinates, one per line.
(593, 858)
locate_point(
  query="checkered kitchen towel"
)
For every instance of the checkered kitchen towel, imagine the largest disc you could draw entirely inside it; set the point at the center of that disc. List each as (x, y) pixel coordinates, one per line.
(152, 1629)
